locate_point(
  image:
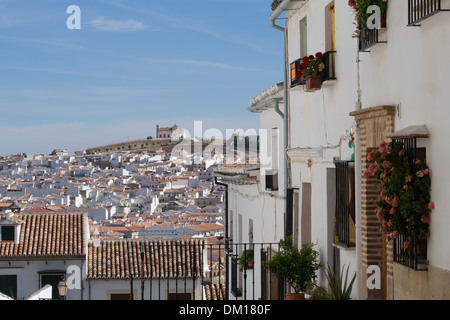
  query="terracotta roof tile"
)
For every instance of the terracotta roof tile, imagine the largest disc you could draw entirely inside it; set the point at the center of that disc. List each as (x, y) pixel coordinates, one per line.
(116, 259)
(48, 235)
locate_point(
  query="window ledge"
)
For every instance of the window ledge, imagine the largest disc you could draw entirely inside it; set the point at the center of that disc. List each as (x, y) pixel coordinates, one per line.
(344, 247)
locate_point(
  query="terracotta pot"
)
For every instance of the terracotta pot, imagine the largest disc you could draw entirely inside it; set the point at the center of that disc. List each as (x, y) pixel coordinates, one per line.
(313, 84)
(295, 296)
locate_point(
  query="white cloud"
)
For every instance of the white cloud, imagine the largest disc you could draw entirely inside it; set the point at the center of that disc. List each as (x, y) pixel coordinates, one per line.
(103, 24)
(203, 63)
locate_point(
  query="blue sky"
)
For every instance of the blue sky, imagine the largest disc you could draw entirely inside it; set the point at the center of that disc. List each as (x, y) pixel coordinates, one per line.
(133, 64)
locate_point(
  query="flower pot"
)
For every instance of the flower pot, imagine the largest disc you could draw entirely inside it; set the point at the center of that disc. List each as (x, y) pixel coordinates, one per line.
(295, 296)
(313, 84)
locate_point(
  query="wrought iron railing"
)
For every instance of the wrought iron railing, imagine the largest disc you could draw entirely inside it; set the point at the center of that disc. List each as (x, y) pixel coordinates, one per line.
(409, 256)
(368, 38)
(419, 10)
(252, 281)
(211, 271)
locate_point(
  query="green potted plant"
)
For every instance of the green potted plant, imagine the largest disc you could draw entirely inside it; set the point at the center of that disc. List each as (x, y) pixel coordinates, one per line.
(338, 284)
(246, 260)
(312, 69)
(360, 7)
(298, 267)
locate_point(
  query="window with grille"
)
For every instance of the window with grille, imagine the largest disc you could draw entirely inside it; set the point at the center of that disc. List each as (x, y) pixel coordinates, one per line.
(345, 232)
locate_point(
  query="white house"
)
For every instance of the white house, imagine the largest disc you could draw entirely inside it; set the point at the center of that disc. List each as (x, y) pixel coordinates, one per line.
(383, 86)
(172, 270)
(255, 197)
(32, 257)
(404, 96)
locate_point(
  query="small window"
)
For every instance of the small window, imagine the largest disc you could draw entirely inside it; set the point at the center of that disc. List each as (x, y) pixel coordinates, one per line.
(53, 279)
(8, 285)
(8, 233)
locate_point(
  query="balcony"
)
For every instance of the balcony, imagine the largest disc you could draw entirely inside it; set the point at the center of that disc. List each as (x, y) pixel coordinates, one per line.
(368, 38)
(330, 74)
(419, 10)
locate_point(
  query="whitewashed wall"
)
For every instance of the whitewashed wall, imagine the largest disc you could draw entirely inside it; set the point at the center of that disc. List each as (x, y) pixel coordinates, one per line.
(319, 120)
(411, 71)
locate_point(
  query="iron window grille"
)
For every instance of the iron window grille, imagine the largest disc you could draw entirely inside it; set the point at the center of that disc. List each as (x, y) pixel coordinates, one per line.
(345, 203)
(410, 257)
(419, 10)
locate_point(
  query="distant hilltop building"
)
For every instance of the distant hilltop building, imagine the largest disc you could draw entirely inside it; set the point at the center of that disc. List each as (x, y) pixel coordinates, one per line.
(173, 132)
(166, 139)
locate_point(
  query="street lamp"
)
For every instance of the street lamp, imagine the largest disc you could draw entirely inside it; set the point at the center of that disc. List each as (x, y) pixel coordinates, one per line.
(62, 289)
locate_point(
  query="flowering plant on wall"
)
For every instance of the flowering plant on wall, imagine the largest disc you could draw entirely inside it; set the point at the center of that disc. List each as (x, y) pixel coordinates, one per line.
(312, 66)
(404, 206)
(360, 7)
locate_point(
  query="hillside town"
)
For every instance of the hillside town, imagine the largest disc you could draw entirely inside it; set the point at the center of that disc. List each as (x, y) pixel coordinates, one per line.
(124, 194)
(350, 182)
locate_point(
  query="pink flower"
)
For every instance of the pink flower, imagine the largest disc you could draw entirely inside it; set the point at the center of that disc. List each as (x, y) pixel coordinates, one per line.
(386, 164)
(389, 238)
(392, 211)
(426, 171)
(402, 152)
(372, 168)
(366, 174)
(431, 206)
(370, 155)
(394, 202)
(424, 218)
(389, 223)
(405, 244)
(405, 187)
(408, 178)
(395, 234)
(420, 173)
(379, 216)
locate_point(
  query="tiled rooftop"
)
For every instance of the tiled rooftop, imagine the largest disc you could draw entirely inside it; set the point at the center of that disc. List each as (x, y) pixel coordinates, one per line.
(47, 235)
(116, 259)
(215, 291)
(275, 4)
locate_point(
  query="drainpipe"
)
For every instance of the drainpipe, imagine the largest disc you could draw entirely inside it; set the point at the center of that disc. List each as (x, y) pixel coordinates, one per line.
(227, 264)
(275, 14)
